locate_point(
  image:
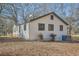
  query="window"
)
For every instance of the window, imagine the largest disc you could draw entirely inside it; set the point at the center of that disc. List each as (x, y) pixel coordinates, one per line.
(61, 27)
(24, 26)
(19, 28)
(50, 27)
(41, 26)
(51, 17)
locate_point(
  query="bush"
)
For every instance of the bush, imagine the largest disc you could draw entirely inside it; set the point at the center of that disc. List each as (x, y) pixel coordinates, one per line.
(40, 36)
(52, 36)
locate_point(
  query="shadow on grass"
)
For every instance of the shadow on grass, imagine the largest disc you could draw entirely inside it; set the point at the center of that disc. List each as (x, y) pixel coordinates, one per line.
(9, 39)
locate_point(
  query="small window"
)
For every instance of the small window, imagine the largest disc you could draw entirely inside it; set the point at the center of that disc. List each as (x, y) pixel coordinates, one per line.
(24, 26)
(19, 28)
(51, 17)
(61, 27)
(50, 27)
(41, 26)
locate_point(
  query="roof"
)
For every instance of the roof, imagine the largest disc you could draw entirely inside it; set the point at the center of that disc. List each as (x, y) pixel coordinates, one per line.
(49, 14)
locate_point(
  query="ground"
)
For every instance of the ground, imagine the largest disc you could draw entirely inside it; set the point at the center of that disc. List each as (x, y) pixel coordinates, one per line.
(36, 48)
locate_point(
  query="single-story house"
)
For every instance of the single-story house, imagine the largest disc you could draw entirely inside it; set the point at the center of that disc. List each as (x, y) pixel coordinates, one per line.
(46, 25)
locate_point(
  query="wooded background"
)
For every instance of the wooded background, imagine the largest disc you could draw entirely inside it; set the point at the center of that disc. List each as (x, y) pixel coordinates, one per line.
(11, 13)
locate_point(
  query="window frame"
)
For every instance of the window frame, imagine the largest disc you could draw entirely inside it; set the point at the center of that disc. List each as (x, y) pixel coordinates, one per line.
(61, 27)
(41, 28)
(51, 17)
(24, 26)
(49, 27)
(19, 28)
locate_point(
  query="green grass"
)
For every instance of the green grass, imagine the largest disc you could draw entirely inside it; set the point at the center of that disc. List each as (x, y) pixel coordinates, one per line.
(10, 36)
(75, 36)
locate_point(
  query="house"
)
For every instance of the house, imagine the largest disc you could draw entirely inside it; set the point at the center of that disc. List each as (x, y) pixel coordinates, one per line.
(6, 25)
(2, 29)
(2, 26)
(46, 25)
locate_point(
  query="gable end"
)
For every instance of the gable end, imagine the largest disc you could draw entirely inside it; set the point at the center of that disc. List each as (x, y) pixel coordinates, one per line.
(49, 14)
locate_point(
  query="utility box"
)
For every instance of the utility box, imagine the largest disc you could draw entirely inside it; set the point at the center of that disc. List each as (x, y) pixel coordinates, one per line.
(65, 37)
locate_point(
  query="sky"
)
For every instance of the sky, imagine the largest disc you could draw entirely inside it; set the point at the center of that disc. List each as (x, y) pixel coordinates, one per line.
(55, 7)
(39, 8)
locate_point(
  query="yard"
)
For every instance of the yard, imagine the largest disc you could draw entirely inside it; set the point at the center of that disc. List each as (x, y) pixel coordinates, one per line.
(36, 48)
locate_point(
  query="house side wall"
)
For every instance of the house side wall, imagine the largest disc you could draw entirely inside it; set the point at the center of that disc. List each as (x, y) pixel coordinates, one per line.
(34, 32)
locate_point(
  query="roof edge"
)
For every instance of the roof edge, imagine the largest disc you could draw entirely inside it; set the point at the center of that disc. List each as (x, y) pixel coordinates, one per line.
(49, 14)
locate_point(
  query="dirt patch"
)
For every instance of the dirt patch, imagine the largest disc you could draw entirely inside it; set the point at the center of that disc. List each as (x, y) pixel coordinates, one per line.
(39, 49)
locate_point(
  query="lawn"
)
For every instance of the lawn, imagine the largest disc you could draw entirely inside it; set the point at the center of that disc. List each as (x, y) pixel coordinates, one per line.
(36, 48)
(75, 37)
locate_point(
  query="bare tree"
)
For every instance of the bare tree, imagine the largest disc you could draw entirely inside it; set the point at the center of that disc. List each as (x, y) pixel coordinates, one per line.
(10, 12)
(70, 20)
(1, 7)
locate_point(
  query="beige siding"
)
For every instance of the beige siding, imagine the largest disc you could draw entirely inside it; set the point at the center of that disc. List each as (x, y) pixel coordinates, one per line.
(46, 20)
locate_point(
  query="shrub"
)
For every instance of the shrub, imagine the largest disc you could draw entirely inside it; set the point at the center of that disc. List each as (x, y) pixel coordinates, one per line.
(52, 36)
(40, 36)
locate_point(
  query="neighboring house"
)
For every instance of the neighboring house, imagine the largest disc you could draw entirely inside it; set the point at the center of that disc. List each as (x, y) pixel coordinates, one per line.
(46, 25)
(2, 27)
(5, 25)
